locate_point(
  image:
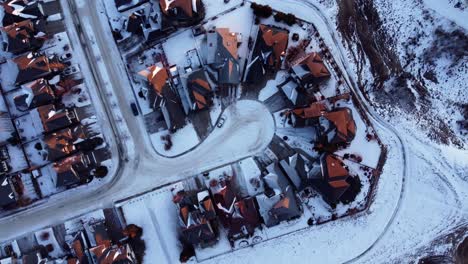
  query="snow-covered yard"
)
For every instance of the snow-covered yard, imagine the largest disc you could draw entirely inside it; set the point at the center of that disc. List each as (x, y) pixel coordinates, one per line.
(157, 215)
(182, 140)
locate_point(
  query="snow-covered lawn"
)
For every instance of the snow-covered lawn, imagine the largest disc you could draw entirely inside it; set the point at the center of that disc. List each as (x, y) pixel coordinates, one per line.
(176, 47)
(214, 7)
(183, 140)
(157, 215)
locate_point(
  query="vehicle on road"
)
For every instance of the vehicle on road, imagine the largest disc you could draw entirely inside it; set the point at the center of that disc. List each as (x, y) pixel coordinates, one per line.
(221, 121)
(134, 109)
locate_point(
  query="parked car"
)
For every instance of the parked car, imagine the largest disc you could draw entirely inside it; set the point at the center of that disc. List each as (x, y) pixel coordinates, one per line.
(221, 121)
(134, 109)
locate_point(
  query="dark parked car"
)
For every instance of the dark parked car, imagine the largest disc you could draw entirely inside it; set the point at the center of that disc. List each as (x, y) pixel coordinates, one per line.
(134, 109)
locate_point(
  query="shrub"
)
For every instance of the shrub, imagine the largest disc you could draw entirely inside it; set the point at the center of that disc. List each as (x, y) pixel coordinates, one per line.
(101, 172)
(264, 11)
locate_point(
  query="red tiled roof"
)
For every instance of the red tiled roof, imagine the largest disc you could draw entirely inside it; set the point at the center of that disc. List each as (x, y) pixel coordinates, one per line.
(61, 141)
(229, 42)
(339, 184)
(185, 5)
(283, 203)
(157, 76)
(344, 122)
(40, 86)
(22, 28)
(313, 110)
(315, 64)
(67, 163)
(278, 40)
(335, 167)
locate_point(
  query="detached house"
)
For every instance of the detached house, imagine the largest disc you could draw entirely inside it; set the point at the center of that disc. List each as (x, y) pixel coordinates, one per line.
(279, 202)
(20, 10)
(163, 96)
(7, 193)
(53, 119)
(64, 142)
(34, 94)
(184, 12)
(239, 216)
(33, 66)
(307, 116)
(23, 36)
(197, 218)
(223, 56)
(337, 127)
(334, 179)
(104, 252)
(72, 170)
(268, 54)
(199, 90)
(309, 70)
(146, 21)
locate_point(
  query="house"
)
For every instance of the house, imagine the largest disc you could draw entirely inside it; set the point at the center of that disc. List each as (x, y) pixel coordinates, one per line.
(184, 12)
(34, 94)
(104, 252)
(115, 254)
(334, 179)
(53, 119)
(20, 10)
(337, 127)
(33, 66)
(223, 55)
(199, 90)
(279, 202)
(244, 219)
(23, 36)
(146, 21)
(309, 70)
(296, 94)
(64, 142)
(79, 249)
(224, 198)
(72, 170)
(7, 193)
(197, 218)
(307, 116)
(163, 96)
(268, 53)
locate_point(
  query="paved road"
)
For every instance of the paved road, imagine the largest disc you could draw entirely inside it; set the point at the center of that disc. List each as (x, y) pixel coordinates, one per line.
(248, 129)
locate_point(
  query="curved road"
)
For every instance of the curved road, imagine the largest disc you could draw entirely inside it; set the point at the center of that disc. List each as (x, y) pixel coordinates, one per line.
(248, 122)
(248, 129)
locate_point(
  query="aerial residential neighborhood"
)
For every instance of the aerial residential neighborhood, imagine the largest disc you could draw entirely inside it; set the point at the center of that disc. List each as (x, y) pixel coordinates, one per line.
(233, 131)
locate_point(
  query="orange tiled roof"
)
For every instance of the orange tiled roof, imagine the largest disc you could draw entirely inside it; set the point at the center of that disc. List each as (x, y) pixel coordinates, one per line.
(339, 184)
(344, 122)
(283, 203)
(19, 28)
(78, 249)
(67, 163)
(157, 77)
(229, 42)
(115, 255)
(315, 64)
(61, 140)
(185, 5)
(42, 63)
(40, 86)
(313, 110)
(278, 40)
(335, 168)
